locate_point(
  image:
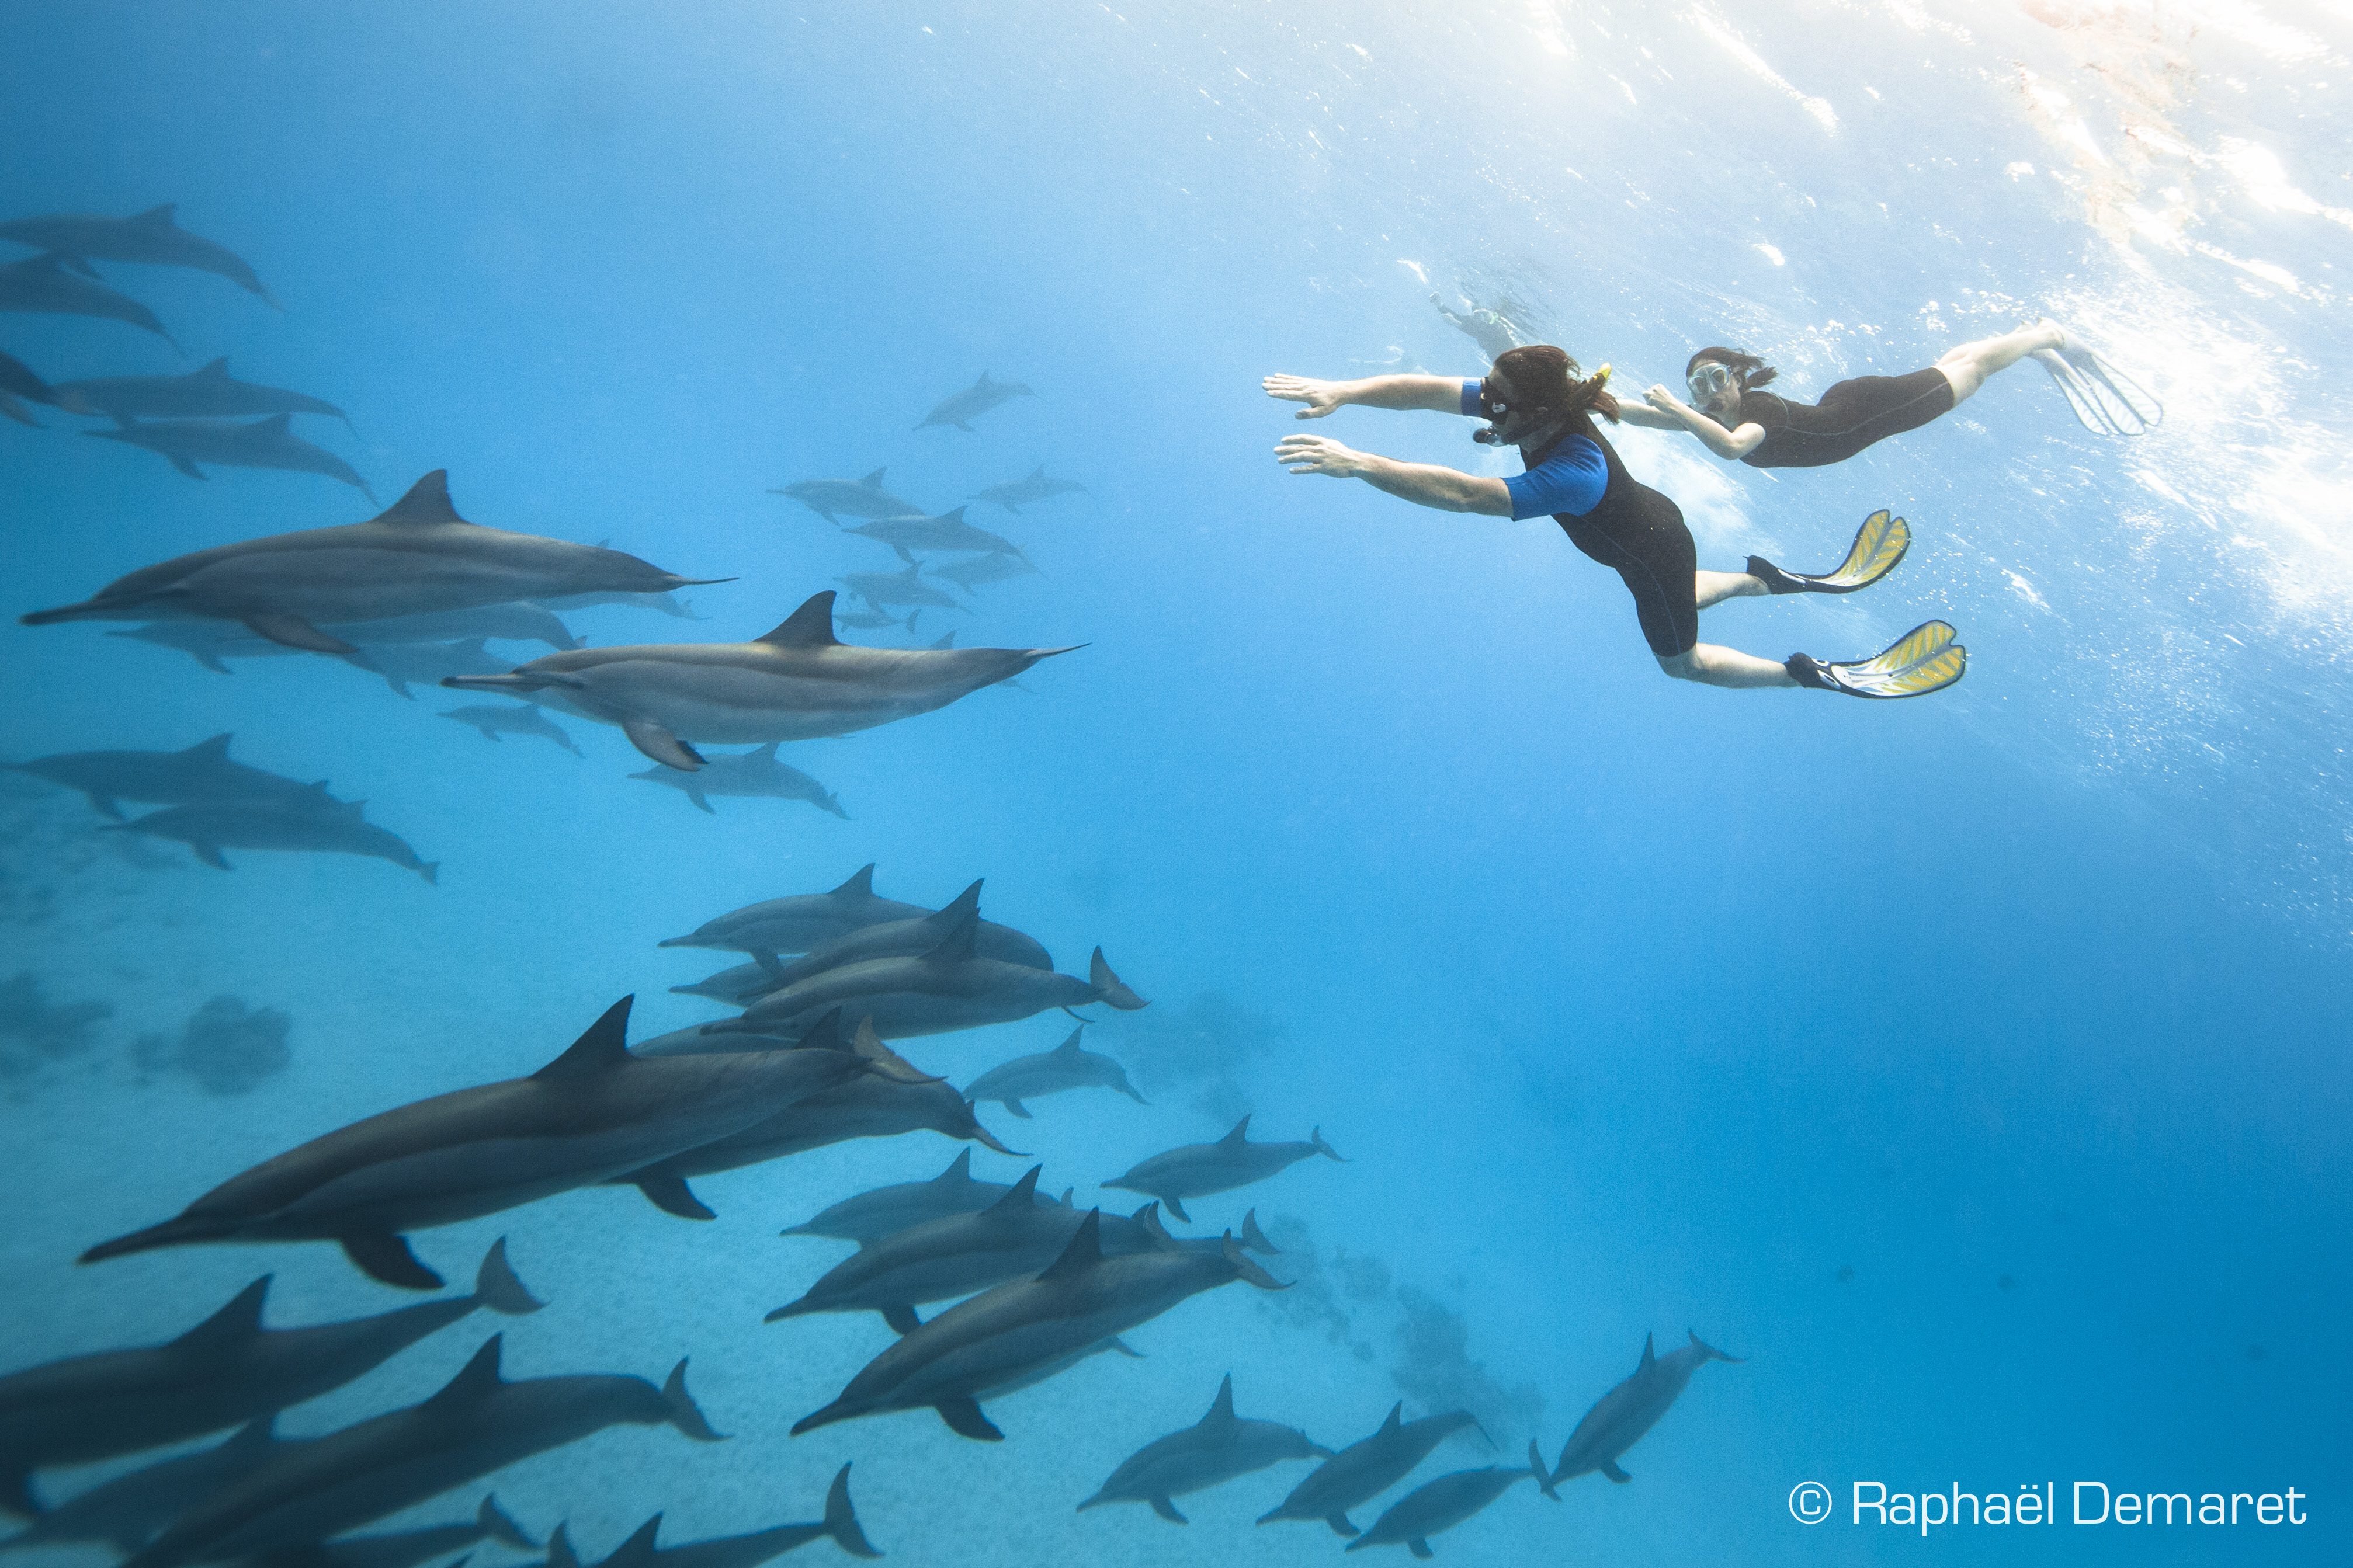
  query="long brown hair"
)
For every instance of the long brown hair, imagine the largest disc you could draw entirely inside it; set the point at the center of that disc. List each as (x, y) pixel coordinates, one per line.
(1752, 371)
(1549, 378)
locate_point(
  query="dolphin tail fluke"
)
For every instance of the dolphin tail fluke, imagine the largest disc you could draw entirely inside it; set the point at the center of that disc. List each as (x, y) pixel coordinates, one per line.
(1112, 989)
(684, 1413)
(499, 1525)
(1316, 1138)
(841, 1519)
(1254, 1240)
(1710, 1351)
(498, 1286)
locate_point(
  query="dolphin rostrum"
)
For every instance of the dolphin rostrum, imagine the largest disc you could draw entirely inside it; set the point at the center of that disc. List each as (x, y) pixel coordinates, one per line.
(308, 819)
(40, 286)
(973, 402)
(1218, 1448)
(909, 938)
(1446, 1503)
(840, 1522)
(268, 442)
(799, 922)
(1034, 487)
(1066, 1067)
(593, 1113)
(796, 683)
(202, 775)
(755, 772)
(225, 1371)
(1197, 1170)
(948, 988)
(1002, 1336)
(478, 1423)
(207, 392)
(1362, 1470)
(886, 1211)
(493, 720)
(417, 556)
(1619, 1417)
(152, 237)
(853, 497)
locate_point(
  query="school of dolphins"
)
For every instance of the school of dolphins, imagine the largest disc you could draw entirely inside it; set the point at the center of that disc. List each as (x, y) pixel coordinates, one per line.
(980, 1289)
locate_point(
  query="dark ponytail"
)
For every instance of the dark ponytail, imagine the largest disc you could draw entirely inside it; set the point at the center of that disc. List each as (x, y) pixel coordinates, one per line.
(1752, 372)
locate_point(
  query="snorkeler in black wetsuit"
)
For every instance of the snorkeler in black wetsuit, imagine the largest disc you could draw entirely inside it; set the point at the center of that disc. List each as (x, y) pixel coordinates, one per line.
(1495, 334)
(1536, 399)
(1736, 419)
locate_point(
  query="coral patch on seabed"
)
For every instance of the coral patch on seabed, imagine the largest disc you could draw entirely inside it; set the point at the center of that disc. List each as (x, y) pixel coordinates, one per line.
(33, 1030)
(227, 1047)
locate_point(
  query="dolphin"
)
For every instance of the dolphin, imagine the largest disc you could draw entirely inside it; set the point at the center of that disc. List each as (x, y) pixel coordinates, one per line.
(595, 1112)
(882, 588)
(1066, 1067)
(40, 286)
(1002, 1335)
(949, 988)
(1619, 1417)
(406, 1548)
(1362, 1470)
(738, 986)
(795, 683)
(478, 1423)
(872, 620)
(942, 1259)
(854, 497)
(909, 938)
(800, 922)
(208, 643)
(417, 556)
(1197, 1170)
(1446, 1503)
(206, 392)
(17, 381)
(126, 1512)
(152, 237)
(431, 662)
(309, 819)
(668, 604)
(840, 1522)
(201, 774)
(886, 1211)
(1147, 1221)
(225, 1371)
(752, 773)
(504, 719)
(265, 444)
(516, 622)
(949, 533)
(1218, 1448)
(1032, 488)
(890, 1097)
(973, 402)
(975, 570)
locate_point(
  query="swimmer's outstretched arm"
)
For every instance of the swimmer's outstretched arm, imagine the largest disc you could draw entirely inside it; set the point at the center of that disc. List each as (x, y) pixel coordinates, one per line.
(1424, 484)
(1439, 394)
(1667, 412)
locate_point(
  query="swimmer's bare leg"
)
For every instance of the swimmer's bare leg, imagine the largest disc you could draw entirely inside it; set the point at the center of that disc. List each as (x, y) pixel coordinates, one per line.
(1968, 366)
(1713, 666)
(1715, 587)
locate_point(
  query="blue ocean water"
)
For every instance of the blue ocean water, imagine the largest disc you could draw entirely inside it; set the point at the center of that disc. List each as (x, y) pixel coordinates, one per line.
(1973, 1067)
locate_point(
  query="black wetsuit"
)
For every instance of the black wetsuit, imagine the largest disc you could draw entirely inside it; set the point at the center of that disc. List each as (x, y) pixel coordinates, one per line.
(1641, 535)
(1851, 416)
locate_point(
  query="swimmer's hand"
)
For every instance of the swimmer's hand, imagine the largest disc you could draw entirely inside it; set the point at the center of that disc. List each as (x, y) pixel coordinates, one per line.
(1321, 396)
(1319, 455)
(1665, 401)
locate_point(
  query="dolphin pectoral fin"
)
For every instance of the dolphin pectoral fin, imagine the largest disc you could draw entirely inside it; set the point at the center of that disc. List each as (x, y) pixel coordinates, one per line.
(211, 856)
(672, 1196)
(293, 631)
(654, 739)
(769, 961)
(106, 805)
(382, 1256)
(1420, 1549)
(1609, 1467)
(1015, 1108)
(702, 801)
(1341, 1524)
(189, 468)
(965, 1419)
(902, 1321)
(1176, 1208)
(1167, 1511)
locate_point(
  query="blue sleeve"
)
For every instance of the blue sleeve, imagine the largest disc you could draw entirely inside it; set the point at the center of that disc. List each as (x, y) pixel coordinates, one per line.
(1571, 481)
(1472, 406)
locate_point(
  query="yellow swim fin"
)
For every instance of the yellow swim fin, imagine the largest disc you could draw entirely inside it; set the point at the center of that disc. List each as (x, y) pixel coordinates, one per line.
(1922, 660)
(1878, 545)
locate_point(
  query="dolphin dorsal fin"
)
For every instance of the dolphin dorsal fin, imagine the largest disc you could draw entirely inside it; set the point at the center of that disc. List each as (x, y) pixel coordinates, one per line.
(1238, 1136)
(861, 886)
(873, 482)
(638, 1551)
(427, 501)
(477, 1380)
(950, 915)
(258, 1433)
(1022, 1195)
(1039, 473)
(811, 626)
(1649, 1357)
(1221, 1409)
(1397, 1419)
(982, 381)
(216, 371)
(956, 516)
(603, 1048)
(767, 751)
(944, 643)
(155, 217)
(1084, 1251)
(1069, 1048)
(232, 1325)
(559, 1550)
(212, 751)
(961, 943)
(959, 1169)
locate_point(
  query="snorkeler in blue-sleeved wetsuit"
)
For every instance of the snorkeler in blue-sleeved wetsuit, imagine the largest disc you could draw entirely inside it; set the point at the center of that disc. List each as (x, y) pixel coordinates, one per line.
(1536, 399)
